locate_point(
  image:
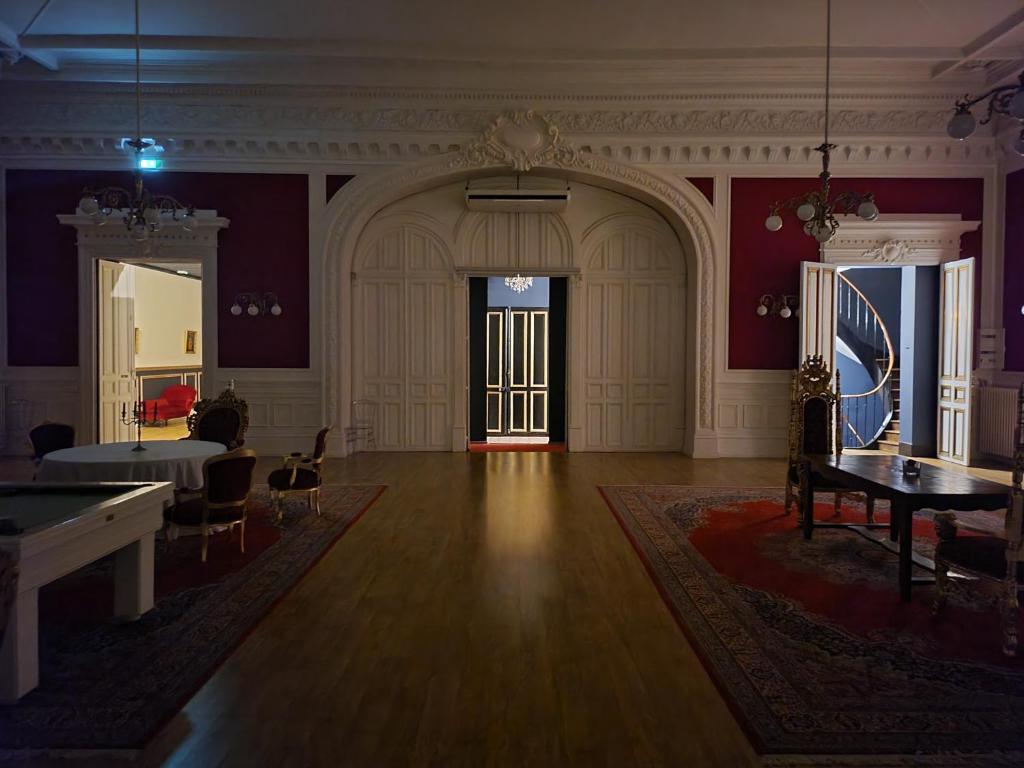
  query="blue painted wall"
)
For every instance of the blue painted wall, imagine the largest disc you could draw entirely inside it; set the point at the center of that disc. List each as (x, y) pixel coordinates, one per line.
(499, 295)
(919, 363)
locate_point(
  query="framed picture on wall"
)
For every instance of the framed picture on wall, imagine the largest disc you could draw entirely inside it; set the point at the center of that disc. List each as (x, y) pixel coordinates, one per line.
(138, 341)
(190, 342)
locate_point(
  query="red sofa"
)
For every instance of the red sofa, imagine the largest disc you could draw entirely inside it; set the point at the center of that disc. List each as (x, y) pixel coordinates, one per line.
(174, 402)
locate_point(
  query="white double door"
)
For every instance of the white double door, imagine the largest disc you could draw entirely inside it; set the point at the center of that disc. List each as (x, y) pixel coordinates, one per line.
(818, 287)
(115, 318)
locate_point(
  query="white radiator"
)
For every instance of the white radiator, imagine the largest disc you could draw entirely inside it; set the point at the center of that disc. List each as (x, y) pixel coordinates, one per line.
(995, 413)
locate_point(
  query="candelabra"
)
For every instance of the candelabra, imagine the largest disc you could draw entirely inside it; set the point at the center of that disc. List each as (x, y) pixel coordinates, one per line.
(137, 418)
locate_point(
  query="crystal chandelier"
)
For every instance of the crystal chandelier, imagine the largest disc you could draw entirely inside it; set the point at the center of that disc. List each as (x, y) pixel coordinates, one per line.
(1002, 100)
(817, 209)
(518, 283)
(141, 211)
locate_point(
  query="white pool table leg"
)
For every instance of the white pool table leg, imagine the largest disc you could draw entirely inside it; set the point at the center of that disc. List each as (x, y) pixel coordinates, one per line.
(19, 655)
(133, 579)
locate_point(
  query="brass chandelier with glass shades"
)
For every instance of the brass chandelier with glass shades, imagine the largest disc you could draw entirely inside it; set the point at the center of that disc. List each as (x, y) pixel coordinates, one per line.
(142, 211)
(1002, 100)
(818, 209)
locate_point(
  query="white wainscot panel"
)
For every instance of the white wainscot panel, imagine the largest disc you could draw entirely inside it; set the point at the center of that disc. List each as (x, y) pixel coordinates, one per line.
(753, 417)
(31, 395)
(284, 413)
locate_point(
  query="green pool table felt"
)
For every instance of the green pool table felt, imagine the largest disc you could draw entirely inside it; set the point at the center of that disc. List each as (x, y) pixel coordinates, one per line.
(26, 507)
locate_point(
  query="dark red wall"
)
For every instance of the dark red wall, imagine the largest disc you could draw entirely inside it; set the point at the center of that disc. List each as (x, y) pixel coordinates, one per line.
(1013, 272)
(769, 262)
(334, 182)
(265, 248)
(706, 185)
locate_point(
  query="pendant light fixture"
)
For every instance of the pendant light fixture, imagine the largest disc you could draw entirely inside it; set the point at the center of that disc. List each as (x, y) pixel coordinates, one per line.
(518, 283)
(817, 209)
(141, 211)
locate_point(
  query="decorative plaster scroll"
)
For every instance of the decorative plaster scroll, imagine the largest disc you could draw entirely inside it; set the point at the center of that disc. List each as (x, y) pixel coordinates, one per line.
(520, 140)
(890, 252)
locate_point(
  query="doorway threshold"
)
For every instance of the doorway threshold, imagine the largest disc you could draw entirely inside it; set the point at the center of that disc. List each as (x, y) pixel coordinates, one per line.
(506, 447)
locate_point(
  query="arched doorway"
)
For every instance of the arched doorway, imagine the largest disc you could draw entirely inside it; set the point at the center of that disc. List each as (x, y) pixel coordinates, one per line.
(681, 206)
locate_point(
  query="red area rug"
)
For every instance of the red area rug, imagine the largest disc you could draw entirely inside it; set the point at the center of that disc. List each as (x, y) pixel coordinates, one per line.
(809, 642)
(107, 685)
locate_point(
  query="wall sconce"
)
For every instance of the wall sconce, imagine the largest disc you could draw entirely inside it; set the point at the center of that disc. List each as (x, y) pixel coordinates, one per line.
(784, 305)
(254, 304)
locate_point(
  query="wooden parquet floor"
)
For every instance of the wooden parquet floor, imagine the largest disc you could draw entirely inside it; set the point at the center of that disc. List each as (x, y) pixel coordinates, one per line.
(487, 611)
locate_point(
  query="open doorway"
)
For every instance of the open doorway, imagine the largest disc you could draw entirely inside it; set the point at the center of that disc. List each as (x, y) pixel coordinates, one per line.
(887, 355)
(149, 350)
(517, 363)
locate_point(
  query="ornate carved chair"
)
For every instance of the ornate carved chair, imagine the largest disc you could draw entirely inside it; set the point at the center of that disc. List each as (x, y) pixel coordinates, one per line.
(223, 499)
(300, 474)
(813, 429)
(223, 420)
(987, 558)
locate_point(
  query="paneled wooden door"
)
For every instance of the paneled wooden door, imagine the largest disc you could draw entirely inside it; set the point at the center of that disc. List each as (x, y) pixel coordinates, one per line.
(817, 317)
(518, 372)
(115, 315)
(956, 355)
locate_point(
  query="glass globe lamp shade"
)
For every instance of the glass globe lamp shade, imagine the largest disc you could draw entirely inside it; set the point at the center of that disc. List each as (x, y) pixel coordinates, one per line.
(253, 310)
(773, 223)
(188, 221)
(823, 233)
(236, 309)
(276, 310)
(761, 310)
(89, 205)
(961, 125)
(785, 313)
(867, 210)
(1016, 107)
(805, 212)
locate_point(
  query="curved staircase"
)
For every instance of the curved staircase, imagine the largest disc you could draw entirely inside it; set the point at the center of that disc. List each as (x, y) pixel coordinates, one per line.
(871, 417)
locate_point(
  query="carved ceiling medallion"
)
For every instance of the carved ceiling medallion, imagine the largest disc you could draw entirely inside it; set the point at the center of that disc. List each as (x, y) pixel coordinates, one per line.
(520, 140)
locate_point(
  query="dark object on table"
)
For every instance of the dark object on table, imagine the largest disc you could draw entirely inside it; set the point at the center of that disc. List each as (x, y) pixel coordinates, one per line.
(811, 431)
(991, 559)
(223, 499)
(911, 468)
(48, 437)
(300, 474)
(223, 420)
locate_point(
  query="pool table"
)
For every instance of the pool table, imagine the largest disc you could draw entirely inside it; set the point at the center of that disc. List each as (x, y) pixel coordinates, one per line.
(53, 529)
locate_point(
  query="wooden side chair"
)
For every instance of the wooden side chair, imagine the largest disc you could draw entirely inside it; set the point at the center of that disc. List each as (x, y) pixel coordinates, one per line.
(988, 559)
(48, 437)
(221, 420)
(301, 474)
(222, 501)
(814, 429)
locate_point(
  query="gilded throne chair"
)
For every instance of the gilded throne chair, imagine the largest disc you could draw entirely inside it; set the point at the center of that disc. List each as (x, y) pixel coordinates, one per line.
(988, 558)
(816, 429)
(221, 420)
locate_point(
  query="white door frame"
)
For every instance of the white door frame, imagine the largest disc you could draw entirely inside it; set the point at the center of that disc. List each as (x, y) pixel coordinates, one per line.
(113, 242)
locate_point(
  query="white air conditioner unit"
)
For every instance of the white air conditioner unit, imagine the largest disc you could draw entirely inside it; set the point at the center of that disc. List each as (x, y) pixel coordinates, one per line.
(517, 200)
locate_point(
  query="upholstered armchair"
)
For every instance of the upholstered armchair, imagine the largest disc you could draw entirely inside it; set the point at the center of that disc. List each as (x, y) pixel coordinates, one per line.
(222, 420)
(48, 437)
(222, 501)
(989, 559)
(301, 474)
(814, 429)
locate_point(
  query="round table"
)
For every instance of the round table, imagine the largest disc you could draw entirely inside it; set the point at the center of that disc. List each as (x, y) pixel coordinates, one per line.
(176, 461)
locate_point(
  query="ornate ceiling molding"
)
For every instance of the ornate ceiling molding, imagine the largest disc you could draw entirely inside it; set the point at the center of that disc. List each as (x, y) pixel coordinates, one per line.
(520, 140)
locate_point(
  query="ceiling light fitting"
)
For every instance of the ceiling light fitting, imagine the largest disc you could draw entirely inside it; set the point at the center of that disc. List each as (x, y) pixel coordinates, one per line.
(1002, 100)
(141, 211)
(818, 209)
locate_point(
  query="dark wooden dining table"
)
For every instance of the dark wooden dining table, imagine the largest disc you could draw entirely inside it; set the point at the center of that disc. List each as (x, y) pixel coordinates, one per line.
(882, 477)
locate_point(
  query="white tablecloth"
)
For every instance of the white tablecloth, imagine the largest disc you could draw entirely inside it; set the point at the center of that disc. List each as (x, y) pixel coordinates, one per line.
(176, 461)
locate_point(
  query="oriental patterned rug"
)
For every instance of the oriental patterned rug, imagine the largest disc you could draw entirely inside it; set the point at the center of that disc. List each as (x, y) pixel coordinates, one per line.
(809, 642)
(105, 685)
